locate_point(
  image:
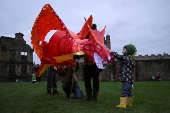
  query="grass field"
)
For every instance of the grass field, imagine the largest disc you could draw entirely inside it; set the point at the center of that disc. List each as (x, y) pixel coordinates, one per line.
(25, 97)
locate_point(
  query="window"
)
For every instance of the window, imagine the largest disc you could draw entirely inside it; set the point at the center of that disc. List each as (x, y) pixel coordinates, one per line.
(11, 69)
(3, 48)
(23, 69)
(23, 55)
(12, 55)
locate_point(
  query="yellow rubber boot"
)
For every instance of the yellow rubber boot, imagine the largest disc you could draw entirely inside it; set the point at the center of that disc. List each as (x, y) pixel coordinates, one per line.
(122, 102)
(129, 101)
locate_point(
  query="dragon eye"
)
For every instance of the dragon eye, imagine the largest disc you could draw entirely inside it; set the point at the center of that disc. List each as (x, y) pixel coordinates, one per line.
(98, 46)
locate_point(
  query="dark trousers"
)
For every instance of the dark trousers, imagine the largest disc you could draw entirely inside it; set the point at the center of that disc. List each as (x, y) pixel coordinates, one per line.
(51, 80)
(91, 71)
(126, 89)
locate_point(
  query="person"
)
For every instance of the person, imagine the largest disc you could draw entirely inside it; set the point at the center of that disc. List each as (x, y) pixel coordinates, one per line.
(51, 81)
(90, 70)
(158, 76)
(33, 78)
(126, 74)
(69, 81)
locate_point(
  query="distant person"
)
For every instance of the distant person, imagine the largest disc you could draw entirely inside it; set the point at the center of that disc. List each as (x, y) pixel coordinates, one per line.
(70, 83)
(52, 81)
(158, 76)
(33, 78)
(126, 74)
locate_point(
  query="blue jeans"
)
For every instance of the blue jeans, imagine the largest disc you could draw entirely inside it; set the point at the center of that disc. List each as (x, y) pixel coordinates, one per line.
(76, 90)
(126, 89)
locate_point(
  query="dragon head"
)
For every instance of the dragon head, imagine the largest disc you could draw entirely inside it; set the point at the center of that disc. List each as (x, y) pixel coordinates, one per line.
(95, 47)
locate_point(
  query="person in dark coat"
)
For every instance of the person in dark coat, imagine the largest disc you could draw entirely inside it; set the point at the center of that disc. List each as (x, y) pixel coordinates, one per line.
(91, 71)
(69, 81)
(158, 76)
(52, 81)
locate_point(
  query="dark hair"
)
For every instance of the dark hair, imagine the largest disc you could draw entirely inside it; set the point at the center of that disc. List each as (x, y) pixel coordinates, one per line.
(94, 27)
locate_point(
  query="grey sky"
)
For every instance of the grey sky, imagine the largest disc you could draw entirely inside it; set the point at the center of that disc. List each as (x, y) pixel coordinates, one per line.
(144, 23)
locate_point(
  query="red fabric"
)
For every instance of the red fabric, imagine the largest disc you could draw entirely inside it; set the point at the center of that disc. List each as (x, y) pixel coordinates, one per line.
(159, 75)
(64, 44)
(85, 30)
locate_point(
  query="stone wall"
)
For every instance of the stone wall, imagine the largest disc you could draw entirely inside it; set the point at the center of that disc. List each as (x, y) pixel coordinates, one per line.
(145, 69)
(153, 57)
(16, 53)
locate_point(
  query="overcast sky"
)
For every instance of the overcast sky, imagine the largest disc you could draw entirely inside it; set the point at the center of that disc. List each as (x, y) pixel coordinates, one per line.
(144, 23)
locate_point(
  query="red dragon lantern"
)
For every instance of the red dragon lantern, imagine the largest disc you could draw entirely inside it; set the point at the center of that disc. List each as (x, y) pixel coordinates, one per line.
(64, 44)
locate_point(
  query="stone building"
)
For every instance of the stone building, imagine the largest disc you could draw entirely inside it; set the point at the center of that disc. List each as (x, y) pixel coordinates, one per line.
(16, 59)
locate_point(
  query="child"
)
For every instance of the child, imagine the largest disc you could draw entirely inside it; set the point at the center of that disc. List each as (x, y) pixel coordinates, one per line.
(33, 78)
(126, 74)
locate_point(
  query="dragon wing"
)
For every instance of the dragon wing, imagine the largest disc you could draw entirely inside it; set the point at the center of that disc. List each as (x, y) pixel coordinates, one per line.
(46, 21)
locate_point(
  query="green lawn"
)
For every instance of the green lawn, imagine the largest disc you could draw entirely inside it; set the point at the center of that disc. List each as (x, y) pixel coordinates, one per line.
(25, 97)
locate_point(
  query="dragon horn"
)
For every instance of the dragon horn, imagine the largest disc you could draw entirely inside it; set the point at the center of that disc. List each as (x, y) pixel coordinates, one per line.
(84, 31)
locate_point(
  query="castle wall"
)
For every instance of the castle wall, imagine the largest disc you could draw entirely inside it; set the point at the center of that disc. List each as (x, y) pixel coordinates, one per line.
(147, 68)
(153, 57)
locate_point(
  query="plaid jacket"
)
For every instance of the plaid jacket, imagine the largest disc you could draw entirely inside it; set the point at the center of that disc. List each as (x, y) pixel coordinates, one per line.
(126, 72)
